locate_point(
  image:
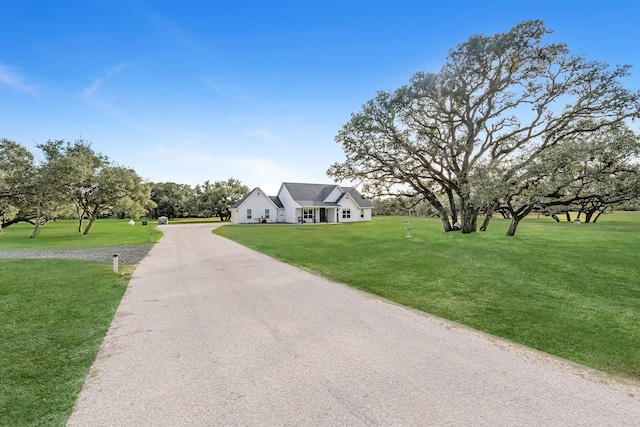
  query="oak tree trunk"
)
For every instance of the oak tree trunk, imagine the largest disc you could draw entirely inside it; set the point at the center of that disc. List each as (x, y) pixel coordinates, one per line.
(597, 216)
(469, 217)
(453, 207)
(445, 223)
(516, 216)
(513, 226)
(36, 226)
(587, 216)
(444, 216)
(92, 219)
(487, 217)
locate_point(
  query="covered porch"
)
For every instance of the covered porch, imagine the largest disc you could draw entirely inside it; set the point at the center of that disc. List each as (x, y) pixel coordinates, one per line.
(317, 215)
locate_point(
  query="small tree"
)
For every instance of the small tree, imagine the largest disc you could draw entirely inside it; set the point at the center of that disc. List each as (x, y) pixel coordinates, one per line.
(115, 188)
(590, 170)
(55, 178)
(17, 172)
(173, 200)
(216, 199)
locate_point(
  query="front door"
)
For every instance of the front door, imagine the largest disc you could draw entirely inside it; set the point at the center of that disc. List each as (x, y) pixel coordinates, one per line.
(323, 215)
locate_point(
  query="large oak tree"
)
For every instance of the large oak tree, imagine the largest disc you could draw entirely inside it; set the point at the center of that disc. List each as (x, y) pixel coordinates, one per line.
(499, 101)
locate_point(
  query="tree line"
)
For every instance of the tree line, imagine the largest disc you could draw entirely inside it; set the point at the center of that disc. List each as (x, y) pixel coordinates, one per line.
(509, 124)
(588, 212)
(71, 180)
(202, 201)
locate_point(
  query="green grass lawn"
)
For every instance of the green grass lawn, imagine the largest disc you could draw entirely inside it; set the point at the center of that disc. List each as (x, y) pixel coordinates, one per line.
(64, 234)
(53, 317)
(572, 290)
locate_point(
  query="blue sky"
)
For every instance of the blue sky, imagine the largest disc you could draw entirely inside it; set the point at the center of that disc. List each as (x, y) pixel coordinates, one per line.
(189, 91)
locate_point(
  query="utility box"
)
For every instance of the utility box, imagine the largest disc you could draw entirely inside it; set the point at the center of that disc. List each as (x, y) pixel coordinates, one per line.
(163, 220)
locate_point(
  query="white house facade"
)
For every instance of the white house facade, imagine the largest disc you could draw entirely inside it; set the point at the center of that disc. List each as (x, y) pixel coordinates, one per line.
(303, 203)
(257, 207)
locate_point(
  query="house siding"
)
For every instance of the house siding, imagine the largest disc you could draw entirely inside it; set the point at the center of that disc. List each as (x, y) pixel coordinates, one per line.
(365, 215)
(334, 195)
(290, 206)
(348, 205)
(258, 203)
(339, 205)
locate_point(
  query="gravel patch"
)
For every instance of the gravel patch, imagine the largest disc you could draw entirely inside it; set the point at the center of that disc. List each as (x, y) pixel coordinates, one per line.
(127, 254)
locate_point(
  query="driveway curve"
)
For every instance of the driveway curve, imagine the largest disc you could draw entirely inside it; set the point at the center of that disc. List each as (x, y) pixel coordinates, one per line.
(210, 333)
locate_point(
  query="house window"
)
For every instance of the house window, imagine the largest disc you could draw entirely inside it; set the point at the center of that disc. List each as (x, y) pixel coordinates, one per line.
(346, 213)
(248, 213)
(361, 213)
(307, 213)
(266, 213)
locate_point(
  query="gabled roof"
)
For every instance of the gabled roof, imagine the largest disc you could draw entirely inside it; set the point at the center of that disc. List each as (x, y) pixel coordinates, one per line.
(274, 199)
(309, 194)
(316, 194)
(357, 197)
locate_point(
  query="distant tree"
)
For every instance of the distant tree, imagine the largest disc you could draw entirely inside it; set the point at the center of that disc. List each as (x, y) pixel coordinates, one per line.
(56, 178)
(392, 205)
(86, 165)
(173, 200)
(17, 171)
(609, 176)
(115, 189)
(402, 205)
(16, 168)
(632, 205)
(216, 199)
(498, 103)
(589, 172)
(68, 177)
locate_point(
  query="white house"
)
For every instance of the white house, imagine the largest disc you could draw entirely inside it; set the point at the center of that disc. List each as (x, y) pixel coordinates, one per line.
(302, 203)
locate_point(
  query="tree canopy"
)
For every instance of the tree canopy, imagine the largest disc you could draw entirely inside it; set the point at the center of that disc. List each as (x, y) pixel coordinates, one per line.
(70, 177)
(216, 199)
(488, 128)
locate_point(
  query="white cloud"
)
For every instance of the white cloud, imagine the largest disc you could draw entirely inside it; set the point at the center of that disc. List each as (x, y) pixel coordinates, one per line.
(15, 81)
(114, 70)
(261, 133)
(89, 91)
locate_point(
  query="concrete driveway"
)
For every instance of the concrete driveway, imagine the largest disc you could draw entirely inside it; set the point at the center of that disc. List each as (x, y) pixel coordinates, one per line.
(211, 333)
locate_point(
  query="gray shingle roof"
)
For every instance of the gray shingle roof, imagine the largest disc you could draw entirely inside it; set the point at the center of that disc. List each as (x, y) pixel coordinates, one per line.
(308, 194)
(274, 199)
(245, 197)
(357, 197)
(315, 194)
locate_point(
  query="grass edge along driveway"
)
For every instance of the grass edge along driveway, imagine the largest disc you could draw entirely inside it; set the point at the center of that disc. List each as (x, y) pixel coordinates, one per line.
(570, 290)
(54, 315)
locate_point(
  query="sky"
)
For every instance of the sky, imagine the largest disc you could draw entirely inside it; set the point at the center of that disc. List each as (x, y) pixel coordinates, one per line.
(195, 91)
